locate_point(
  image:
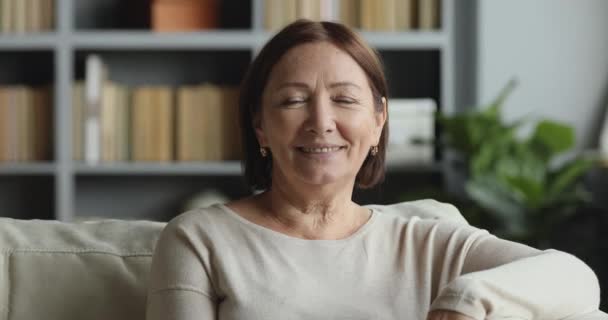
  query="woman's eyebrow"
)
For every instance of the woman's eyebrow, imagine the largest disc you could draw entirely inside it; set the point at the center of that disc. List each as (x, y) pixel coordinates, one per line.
(293, 84)
(344, 84)
(305, 86)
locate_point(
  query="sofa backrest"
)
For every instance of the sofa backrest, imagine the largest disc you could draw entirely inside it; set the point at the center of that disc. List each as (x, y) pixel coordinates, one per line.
(87, 270)
(99, 270)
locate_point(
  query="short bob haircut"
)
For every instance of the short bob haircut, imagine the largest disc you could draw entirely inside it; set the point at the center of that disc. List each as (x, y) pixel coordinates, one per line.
(257, 168)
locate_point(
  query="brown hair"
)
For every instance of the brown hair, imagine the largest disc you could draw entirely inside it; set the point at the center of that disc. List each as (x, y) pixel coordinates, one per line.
(258, 168)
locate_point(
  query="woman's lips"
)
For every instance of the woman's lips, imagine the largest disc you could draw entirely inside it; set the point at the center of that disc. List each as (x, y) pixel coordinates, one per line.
(320, 149)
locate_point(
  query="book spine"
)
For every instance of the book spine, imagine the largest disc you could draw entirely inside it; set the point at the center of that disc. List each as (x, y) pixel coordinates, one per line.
(95, 78)
(7, 11)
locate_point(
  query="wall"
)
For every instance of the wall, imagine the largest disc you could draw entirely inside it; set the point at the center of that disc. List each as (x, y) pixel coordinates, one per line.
(557, 49)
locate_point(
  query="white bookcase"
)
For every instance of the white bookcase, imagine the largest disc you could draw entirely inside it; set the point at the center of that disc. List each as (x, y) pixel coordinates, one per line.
(418, 63)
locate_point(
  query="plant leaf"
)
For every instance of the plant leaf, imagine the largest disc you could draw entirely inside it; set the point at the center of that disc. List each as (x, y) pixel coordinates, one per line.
(490, 195)
(551, 138)
(566, 176)
(530, 190)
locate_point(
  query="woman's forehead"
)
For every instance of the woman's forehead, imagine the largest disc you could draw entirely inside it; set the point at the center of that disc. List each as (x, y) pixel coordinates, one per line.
(309, 61)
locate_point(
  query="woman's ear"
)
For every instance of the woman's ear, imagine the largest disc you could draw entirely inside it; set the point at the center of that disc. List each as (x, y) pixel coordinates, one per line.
(380, 117)
(259, 131)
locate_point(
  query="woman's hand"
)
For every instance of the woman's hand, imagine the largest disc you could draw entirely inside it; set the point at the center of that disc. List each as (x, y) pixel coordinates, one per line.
(447, 315)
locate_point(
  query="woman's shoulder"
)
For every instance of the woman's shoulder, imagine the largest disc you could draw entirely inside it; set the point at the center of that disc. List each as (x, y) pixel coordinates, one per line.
(198, 219)
(426, 209)
(437, 224)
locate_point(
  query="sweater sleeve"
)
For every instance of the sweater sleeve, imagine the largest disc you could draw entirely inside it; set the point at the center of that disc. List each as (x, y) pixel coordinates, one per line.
(501, 279)
(179, 285)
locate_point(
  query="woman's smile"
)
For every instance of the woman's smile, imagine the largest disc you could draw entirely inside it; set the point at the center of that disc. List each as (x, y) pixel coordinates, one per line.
(322, 152)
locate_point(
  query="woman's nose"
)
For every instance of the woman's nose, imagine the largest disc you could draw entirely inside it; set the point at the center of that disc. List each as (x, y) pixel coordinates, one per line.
(321, 118)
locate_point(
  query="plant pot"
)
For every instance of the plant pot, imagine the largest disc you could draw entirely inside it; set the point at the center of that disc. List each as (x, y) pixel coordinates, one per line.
(456, 173)
(184, 15)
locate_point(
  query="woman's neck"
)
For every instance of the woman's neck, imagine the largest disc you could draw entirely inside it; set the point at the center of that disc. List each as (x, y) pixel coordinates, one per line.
(318, 212)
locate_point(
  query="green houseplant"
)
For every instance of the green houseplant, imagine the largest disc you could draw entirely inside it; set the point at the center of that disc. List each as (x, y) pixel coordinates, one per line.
(517, 180)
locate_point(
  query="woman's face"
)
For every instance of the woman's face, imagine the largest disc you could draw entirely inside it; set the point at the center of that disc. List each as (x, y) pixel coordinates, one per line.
(318, 117)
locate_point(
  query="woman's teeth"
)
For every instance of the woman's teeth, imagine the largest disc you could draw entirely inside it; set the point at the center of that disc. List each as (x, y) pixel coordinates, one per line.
(321, 150)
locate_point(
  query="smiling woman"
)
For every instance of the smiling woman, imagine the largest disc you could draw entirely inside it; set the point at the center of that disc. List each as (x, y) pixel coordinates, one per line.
(313, 111)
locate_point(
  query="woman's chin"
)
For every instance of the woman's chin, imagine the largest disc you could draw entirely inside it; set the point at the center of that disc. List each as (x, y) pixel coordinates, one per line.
(320, 178)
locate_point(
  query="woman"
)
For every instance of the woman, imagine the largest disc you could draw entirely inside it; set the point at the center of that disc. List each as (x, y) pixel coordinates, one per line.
(313, 112)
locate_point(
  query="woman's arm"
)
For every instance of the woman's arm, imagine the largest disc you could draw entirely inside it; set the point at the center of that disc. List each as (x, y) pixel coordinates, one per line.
(504, 279)
(179, 285)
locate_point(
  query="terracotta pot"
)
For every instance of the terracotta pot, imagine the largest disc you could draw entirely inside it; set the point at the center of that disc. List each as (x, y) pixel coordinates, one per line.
(184, 15)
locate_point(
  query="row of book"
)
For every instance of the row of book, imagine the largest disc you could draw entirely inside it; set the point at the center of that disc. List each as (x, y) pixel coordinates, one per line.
(372, 15)
(20, 16)
(26, 119)
(189, 123)
(114, 122)
(156, 123)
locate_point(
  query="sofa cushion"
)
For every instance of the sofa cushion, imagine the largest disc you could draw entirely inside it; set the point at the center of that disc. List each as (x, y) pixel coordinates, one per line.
(86, 270)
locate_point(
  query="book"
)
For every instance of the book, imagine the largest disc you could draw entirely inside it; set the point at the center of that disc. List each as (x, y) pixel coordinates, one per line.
(428, 14)
(412, 126)
(122, 123)
(232, 147)
(43, 122)
(212, 108)
(308, 9)
(328, 10)
(349, 13)
(164, 121)
(23, 123)
(184, 127)
(404, 14)
(152, 124)
(107, 123)
(95, 78)
(78, 103)
(12, 124)
(7, 16)
(367, 14)
(19, 19)
(47, 9)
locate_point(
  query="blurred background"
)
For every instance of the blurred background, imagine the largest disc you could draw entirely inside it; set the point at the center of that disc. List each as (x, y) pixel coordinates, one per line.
(127, 109)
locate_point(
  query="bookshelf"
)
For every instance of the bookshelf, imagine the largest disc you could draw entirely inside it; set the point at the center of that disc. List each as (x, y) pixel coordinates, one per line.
(418, 63)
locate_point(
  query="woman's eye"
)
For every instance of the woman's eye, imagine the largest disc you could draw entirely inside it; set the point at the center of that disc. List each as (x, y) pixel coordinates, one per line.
(292, 102)
(344, 100)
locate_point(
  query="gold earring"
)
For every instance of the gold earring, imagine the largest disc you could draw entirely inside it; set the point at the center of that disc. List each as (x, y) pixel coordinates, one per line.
(374, 151)
(263, 152)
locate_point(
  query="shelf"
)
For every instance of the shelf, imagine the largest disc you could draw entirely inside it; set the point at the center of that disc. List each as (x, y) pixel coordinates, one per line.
(115, 40)
(35, 41)
(231, 168)
(228, 168)
(406, 40)
(27, 168)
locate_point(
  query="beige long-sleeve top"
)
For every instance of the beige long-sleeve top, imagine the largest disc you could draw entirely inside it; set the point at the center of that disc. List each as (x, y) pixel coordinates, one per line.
(214, 264)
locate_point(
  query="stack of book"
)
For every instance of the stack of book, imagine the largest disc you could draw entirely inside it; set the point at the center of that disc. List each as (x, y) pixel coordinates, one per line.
(113, 122)
(26, 118)
(373, 15)
(412, 131)
(19, 16)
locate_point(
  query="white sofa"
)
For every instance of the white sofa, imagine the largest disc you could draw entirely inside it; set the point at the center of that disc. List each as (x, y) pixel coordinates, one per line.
(91, 270)
(95, 270)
